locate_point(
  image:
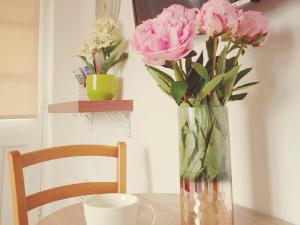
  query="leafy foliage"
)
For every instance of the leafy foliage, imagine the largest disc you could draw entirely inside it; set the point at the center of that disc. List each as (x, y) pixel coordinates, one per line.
(209, 87)
(90, 66)
(201, 70)
(163, 80)
(200, 83)
(242, 74)
(178, 90)
(228, 83)
(110, 57)
(245, 86)
(202, 142)
(238, 97)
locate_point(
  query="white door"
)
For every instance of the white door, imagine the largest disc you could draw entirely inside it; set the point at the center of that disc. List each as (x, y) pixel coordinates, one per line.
(23, 135)
(26, 134)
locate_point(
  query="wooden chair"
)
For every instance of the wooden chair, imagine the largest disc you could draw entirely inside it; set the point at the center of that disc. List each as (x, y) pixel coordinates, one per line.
(22, 203)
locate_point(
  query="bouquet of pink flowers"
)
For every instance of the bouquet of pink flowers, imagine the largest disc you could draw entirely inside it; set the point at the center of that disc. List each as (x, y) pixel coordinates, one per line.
(211, 76)
(202, 83)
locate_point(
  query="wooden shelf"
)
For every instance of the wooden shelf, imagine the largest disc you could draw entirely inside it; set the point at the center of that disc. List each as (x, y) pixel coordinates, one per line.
(92, 106)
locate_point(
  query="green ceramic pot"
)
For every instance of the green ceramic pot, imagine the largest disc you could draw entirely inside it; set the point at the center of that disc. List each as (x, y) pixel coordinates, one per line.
(101, 86)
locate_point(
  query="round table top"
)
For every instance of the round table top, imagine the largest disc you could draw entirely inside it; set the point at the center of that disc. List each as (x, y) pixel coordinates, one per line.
(167, 211)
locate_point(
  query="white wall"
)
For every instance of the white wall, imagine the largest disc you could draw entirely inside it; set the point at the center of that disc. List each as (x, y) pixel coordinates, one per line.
(264, 128)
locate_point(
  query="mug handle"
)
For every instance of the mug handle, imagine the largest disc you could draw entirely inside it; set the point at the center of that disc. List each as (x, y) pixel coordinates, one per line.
(150, 207)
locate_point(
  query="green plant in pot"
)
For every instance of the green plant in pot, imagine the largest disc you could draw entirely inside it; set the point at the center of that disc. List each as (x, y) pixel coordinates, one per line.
(102, 51)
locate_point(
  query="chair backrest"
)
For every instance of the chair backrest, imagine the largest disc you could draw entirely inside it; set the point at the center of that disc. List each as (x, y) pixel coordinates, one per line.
(17, 162)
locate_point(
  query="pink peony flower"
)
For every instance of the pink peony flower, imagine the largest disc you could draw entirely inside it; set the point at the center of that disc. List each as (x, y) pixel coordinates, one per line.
(253, 28)
(167, 37)
(217, 17)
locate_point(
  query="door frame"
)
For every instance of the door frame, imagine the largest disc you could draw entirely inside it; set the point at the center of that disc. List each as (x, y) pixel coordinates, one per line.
(40, 122)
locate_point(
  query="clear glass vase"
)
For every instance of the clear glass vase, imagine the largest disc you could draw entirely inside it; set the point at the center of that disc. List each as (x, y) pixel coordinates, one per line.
(205, 167)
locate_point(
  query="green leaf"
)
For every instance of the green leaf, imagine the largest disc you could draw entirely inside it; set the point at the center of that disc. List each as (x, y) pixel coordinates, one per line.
(181, 154)
(238, 97)
(107, 64)
(178, 90)
(191, 54)
(245, 86)
(194, 168)
(162, 79)
(194, 82)
(179, 75)
(233, 47)
(241, 74)
(201, 70)
(188, 150)
(220, 119)
(168, 65)
(229, 64)
(214, 100)
(183, 114)
(213, 155)
(221, 64)
(228, 83)
(208, 66)
(201, 144)
(203, 118)
(107, 51)
(162, 75)
(182, 72)
(243, 51)
(90, 66)
(200, 58)
(188, 65)
(210, 86)
(165, 87)
(190, 143)
(123, 57)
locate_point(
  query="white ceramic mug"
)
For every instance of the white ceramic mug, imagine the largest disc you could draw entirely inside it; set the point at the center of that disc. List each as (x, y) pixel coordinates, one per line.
(113, 209)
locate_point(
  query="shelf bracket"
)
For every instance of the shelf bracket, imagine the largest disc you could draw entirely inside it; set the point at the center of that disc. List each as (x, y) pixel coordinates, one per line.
(125, 116)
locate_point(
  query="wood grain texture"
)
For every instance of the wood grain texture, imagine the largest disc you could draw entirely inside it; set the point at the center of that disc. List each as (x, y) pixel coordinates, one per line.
(18, 188)
(60, 152)
(22, 203)
(68, 191)
(167, 211)
(121, 167)
(92, 106)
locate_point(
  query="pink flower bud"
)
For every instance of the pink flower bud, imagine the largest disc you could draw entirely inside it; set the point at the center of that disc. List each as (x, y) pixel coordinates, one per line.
(253, 28)
(217, 17)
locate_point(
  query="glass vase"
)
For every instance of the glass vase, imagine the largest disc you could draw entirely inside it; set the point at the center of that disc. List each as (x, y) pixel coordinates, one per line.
(205, 167)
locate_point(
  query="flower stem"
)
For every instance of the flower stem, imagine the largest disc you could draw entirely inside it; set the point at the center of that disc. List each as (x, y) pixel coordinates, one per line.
(187, 101)
(94, 64)
(228, 46)
(180, 63)
(214, 52)
(177, 73)
(238, 54)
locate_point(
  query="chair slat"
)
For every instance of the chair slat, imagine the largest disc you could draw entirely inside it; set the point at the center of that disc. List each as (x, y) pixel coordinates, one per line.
(47, 154)
(17, 162)
(68, 191)
(18, 188)
(121, 167)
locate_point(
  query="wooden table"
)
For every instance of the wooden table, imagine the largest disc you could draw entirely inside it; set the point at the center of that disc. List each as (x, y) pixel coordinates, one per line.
(167, 212)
